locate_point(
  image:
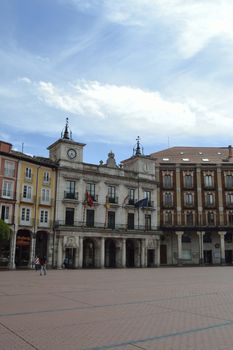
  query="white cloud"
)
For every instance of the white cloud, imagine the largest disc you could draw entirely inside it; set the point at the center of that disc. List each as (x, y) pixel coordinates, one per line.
(119, 112)
(193, 23)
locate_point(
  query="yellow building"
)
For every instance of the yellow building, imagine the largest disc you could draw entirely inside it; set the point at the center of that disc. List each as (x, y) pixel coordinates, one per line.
(34, 211)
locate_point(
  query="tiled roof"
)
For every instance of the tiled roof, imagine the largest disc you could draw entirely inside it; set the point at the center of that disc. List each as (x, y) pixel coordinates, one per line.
(185, 155)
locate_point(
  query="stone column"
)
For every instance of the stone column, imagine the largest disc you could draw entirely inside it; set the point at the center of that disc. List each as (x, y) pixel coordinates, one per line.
(32, 250)
(142, 253)
(123, 252)
(222, 246)
(77, 252)
(59, 253)
(12, 250)
(80, 256)
(179, 238)
(102, 252)
(157, 253)
(201, 250)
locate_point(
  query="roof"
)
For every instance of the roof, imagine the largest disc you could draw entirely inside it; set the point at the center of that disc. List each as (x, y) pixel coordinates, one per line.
(185, 155)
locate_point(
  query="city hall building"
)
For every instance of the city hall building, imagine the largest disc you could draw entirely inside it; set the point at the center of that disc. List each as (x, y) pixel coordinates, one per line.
(172, 207)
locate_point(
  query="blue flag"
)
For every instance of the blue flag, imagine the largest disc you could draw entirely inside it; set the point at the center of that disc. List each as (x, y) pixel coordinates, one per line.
(142, 203)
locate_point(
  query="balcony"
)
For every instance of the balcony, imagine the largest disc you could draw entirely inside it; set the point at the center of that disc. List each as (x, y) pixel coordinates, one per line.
(28, 178)
(47, 202)
(44, 224)
(8, 195)
(71, 195)
(168, 205)
(9, 172)
(121, 228)
(112, 200)
(28, 223)
(131, 201)
(27, 199)
(46, 182)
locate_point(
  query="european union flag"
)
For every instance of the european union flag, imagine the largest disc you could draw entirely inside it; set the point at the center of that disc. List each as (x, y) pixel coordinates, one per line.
(142, 203)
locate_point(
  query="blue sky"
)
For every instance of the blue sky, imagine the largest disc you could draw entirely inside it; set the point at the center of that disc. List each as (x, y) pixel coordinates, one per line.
(161, 69)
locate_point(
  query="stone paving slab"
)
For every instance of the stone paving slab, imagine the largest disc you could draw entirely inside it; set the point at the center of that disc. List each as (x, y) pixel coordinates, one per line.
(150, 309)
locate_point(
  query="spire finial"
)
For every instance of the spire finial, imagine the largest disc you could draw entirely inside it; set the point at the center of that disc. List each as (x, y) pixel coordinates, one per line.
(138, 151)
(67, 134)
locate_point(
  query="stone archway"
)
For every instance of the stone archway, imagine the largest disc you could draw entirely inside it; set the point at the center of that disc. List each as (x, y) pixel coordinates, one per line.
(89, 251)
(130, 253)
(41, 243)
(110, 253)
(23, 246)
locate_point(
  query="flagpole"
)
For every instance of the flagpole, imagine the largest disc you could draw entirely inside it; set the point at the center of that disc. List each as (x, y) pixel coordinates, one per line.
(138, 200)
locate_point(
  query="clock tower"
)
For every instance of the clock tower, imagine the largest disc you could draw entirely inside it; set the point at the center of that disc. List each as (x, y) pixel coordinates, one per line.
(65, 149)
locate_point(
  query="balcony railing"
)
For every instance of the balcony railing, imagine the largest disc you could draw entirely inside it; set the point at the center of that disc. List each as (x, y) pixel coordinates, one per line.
(71, 195)
(9, 172)
(44, 201)
(96, 225)
(8, 194)
(27, 199)
(112, 200)
(28, 178)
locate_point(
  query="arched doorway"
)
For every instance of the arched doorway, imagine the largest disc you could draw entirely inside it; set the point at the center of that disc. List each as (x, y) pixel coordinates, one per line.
(88, 253)
(41, 243)
(22, 251)
(110, 253)
(130, 250)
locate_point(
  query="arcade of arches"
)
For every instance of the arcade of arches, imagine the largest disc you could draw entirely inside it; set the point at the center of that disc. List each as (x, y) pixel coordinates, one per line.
(96, 252)
(26, 247)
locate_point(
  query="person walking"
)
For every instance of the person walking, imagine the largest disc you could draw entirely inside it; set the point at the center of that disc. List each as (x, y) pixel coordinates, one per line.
(37, 263)
(43, 262)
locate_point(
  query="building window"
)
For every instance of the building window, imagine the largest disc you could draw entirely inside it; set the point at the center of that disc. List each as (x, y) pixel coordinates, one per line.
(189, 218)
(9, 169)
(168, 200)
(45, 195)
(46, 177)
(91, 190)
(188, 181)
(5, 213)
(230, 199)
(111, 219)
(229, 181)
(147, 222)
(147, 194)
(70, 190)
(208, 181)
(131, 196)
(90, 218)
(131, 221)
(27, 192)
(209, 199)
(168, 217)
(188, 199)
(230, 218)
(112, 194)
(7, 189)
(210, 218)
(69, 216)
(44, 216)
(167, 181)
(28, 173)
(26, 215)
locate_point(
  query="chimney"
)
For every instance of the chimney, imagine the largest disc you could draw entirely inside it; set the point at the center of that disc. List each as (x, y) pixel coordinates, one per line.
(5, 146)
(230, 151)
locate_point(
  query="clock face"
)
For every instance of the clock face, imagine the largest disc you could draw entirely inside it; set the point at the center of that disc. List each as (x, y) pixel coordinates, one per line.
(71, 153)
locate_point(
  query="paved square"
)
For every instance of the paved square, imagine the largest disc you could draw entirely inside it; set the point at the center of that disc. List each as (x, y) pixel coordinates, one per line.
(152, 309)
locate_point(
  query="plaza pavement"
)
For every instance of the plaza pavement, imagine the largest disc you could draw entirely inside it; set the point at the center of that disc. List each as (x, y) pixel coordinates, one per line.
(120, 309)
